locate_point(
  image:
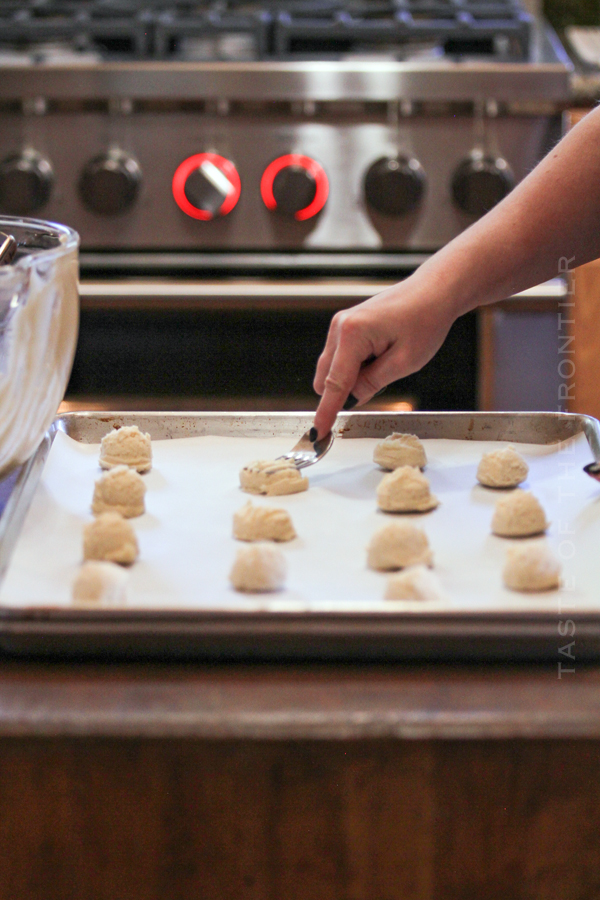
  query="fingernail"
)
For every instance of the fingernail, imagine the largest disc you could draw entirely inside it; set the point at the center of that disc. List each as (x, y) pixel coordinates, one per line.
(313, 434)
(350, 402)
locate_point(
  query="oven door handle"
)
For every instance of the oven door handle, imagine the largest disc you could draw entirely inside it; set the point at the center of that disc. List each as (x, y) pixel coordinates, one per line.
(261, 294)
(225, 295)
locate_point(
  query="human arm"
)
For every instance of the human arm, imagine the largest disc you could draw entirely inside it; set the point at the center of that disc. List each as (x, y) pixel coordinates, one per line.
(554, 213)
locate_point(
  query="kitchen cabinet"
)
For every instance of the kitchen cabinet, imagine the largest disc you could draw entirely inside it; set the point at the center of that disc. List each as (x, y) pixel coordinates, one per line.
(157, 782)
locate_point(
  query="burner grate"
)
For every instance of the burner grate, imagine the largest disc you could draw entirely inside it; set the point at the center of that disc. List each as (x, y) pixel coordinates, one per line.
(454, 27)
(239, 30)
(113, 30)
(193, 32)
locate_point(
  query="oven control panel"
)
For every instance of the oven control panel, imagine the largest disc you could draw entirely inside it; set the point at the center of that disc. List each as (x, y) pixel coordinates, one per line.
(185, 181)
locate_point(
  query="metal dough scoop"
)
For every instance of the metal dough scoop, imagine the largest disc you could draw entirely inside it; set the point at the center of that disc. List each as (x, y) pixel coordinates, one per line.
(307, 452)
(8, 248)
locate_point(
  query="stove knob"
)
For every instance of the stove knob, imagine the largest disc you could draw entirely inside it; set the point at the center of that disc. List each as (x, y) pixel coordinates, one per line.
(295, 186)
(480, 182)
(110, 183)
(25, 183)
(394, 185)
(206, 185)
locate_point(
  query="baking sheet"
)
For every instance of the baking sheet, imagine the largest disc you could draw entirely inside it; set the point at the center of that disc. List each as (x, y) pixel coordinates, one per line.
(186, 547)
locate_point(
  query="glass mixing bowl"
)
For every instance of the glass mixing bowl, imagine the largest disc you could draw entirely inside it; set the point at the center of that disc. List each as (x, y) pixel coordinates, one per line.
(39, 319)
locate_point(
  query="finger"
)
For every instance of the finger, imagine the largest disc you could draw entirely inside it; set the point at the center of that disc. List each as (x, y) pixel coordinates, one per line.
(324, 361)
(340, 379)
(323, 367)
(377, 375)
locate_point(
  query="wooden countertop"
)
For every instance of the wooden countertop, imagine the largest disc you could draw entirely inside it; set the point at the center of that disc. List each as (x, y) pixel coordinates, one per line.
(297, 702)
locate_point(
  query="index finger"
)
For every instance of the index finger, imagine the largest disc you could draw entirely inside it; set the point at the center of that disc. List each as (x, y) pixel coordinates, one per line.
(339, 382)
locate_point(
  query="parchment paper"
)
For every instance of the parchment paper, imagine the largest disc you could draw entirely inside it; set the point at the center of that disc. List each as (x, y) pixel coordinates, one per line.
(186, 545)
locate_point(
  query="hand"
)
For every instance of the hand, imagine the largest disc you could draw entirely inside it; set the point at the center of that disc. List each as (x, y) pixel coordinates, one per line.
(403, 327)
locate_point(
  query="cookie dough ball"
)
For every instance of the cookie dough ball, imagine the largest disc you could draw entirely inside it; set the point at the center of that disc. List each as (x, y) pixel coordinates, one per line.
(110, 537)
(262, 523)
(416, 583)
(400, 450)
(519, 514)
(397, 545)
(126, 446)
(258, 568)
(531, 567)
(119, 490)
(502, 468)
(272, 477)
(405, 490)
(100, 582)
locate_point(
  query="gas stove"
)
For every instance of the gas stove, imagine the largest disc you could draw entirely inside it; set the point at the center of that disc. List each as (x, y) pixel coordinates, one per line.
(303, 125)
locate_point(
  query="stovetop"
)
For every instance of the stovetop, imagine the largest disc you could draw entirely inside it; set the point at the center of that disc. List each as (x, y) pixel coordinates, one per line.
(67, 31)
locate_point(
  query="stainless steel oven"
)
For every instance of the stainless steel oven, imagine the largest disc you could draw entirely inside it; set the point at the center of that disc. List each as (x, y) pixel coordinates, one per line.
(237, 173)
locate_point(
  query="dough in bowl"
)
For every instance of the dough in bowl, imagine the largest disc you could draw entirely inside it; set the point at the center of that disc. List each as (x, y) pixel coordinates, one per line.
(398, 544)
(110, 537)
(100, 582)
(519, 514)
(257, 568)
(262, 523)
(400, 450)
(504, 468)
(405, 490)
(531, 567)
(415, 583)
(273, 477)
(126, 446)
(119, 490)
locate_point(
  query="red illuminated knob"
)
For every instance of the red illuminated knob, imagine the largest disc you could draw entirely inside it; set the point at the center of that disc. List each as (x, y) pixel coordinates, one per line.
(295, 186)
(206, 185)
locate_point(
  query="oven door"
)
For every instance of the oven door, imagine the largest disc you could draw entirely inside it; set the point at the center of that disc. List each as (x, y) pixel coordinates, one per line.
(235, 331)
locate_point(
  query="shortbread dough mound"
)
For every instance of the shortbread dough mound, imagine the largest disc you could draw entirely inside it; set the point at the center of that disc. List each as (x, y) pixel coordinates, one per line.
(397, 545)
(260, 567)
(272, 477)
(110, 537)
(519, 514)
(400, 450)
(119, 490)
(415, 583)
(262, 523)
(100, 582)
(405, 490)
(531, 567)
(504, 468)
(126, 446)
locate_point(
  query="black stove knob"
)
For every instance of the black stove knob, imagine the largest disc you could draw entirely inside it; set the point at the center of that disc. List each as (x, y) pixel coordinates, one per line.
(25, 183)
(480, 182)
(394, 185)
(295, 186)
(206, 185)
(110, 182)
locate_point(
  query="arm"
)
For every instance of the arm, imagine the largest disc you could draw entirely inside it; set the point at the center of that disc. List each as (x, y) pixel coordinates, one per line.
(553, 213)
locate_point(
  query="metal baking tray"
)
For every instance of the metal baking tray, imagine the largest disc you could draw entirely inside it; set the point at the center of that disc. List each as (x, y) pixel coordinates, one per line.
(344, 636)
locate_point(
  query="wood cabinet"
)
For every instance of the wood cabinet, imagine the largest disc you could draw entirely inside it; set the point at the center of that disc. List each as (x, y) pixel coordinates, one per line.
(304, 783)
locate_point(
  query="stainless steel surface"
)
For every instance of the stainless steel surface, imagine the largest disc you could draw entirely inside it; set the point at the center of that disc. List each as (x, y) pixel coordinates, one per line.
(346, 114)
(546, 77)
(344, 146)
(127, 633)
(245, 293)
(8, 248)
(522, 427)
(340, 263)
(309, 451)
